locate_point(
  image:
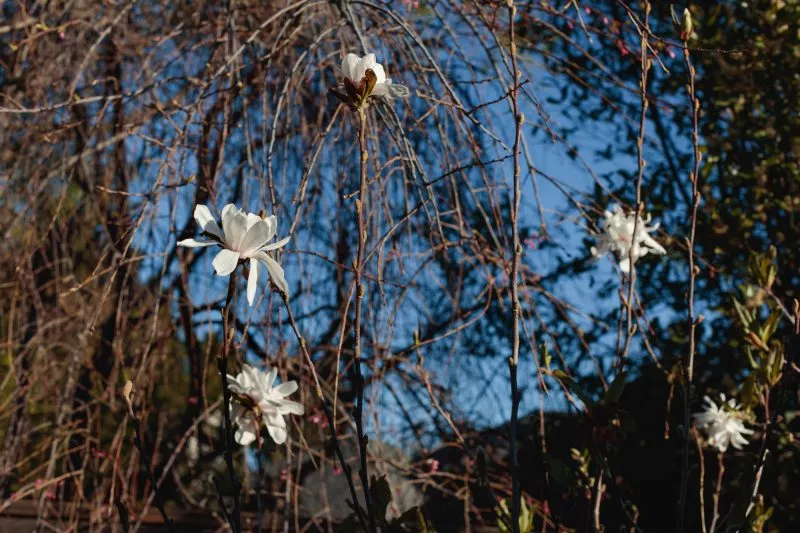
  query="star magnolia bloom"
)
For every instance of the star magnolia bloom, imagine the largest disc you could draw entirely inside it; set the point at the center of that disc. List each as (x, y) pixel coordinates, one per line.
(619, 237)
(243, 236)
(722, 424)
(259, 402)
(355, 68)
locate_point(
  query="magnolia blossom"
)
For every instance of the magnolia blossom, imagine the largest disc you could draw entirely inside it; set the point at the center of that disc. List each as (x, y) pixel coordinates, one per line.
(722, 424)
(258, 402)
(619, 237)
(355, 69)
(243, 236)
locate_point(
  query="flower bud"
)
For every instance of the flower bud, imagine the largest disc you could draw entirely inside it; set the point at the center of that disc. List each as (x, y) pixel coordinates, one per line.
(127, 390)
(687, 27)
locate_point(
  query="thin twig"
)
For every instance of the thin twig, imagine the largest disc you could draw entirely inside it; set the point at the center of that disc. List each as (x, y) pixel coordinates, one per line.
(701, 490)
(693, 321)
(598, 499)
(328, 414)
(139, 443)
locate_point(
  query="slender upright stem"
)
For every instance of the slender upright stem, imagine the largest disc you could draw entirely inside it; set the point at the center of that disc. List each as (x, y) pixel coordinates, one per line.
(763, 453)
(358, 379)
(259, 480)
(222, 366)
(598, 500)
(513, 361)
(692, 319)
(718, 490)
(702, 483)
(328, 414)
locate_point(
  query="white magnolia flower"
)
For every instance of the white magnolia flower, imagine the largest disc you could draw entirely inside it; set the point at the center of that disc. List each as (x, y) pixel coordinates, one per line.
(619, 238)
(259, 402)
(355, 69)
(722, 424)
(243, 236)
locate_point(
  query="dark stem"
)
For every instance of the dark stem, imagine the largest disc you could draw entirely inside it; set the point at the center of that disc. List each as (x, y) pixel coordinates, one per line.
(717, 490)
(222, 365)
(259, 511)
(221, 500)
(358, 379)
(763, 452)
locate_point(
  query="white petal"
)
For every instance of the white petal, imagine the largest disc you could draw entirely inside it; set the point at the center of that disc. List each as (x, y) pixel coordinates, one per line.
(275, 271)
(349, 66)
(381, 89)
(625, 265)
(275, 245)
(244, 436)
(396, 90)
(256, 237)
(234, 383)
(251, 377)
(272, 220)
(653, 244)
(225, 262)
(290, 407)
(192, 243)
(367, 62)
(285, 389)
(227, 210)
(245, 377)
(252, 282)
(380, 74)
(270, 378)
(234, 224)
(203, 217)
(276, 427)
(252, 218)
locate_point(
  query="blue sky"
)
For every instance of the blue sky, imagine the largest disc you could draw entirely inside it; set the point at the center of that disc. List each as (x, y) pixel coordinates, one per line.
(485, 403)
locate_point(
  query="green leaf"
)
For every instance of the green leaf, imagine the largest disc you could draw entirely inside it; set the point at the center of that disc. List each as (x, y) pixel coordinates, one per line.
(770, 326)
(546, 356)
(750, 392)
(573, 385)
(746, 317)
(614, 392)
(776, 365)
(503, 516)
